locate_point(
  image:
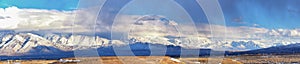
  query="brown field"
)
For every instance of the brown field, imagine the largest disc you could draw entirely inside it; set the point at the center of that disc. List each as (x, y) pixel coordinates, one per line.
(253, 59)
(28, 62)
(208, 61)
(125, 60)
(268, 59)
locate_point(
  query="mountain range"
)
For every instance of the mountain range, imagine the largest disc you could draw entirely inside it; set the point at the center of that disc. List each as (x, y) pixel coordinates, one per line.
(163, 32)
(56, 45)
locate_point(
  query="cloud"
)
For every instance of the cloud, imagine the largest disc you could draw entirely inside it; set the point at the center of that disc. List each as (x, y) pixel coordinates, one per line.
(34, 19)
(13, 18)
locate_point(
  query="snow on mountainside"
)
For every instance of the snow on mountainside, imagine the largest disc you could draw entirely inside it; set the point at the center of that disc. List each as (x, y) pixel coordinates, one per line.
(22, 42)
(169, 32)
(163, 31)
(18, 43)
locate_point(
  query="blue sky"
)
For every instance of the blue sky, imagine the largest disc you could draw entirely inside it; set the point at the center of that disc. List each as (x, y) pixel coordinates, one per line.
(272, 14)
(41, 4)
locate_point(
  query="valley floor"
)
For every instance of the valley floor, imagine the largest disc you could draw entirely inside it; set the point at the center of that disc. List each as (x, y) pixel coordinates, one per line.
(268, 59)
(256, 59)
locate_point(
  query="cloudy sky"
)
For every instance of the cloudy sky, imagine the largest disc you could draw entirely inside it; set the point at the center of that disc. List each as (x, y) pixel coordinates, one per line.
(271, 15)
(263, 21)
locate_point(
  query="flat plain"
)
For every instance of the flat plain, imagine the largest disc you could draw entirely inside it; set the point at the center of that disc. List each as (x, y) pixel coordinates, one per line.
(245, 59)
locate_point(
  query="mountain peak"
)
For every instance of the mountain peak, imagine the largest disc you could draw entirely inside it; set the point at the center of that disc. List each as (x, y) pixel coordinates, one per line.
(154, 19)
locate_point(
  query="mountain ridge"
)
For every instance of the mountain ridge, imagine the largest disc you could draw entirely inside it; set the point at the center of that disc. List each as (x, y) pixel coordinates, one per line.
(35, 46)
(283, 49)
(164, 31)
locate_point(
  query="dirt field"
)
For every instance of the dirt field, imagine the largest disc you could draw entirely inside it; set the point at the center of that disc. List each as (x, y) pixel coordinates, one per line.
(124, 60)
(268, 59)
(28, 62)
(288, 59)
(208, 61)
(246, 59)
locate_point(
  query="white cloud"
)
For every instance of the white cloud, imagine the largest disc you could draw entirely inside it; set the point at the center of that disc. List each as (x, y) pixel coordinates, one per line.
(33, 19)
(17, 19)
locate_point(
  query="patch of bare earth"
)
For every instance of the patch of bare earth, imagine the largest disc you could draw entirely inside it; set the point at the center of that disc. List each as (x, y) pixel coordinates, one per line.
(208, 61)
(122, 60)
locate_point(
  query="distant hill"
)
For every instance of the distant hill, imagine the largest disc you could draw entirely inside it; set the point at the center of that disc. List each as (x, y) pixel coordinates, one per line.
(138, 49)
(283, 49)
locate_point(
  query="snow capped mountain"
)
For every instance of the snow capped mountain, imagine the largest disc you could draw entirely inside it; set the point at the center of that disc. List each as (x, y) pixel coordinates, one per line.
(22, 42)
(18, 43)
(163, 31)
(166, 31)
(248, 45)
